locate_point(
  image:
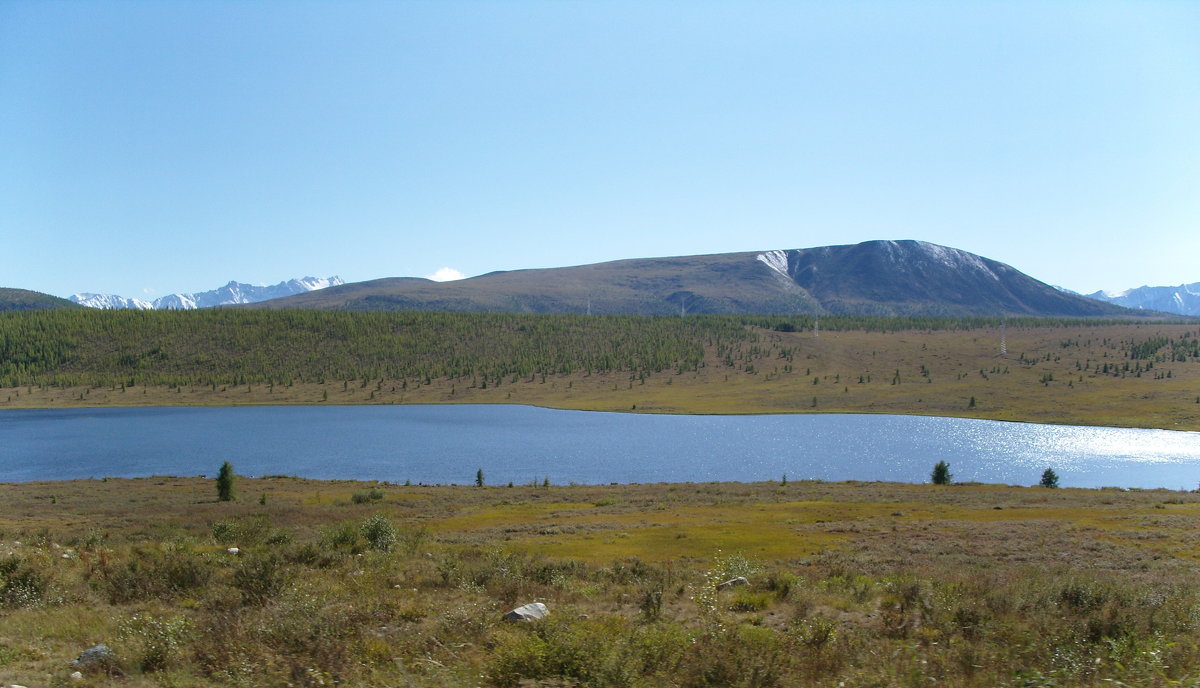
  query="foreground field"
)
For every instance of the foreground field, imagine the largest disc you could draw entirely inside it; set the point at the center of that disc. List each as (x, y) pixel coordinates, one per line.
(1118, 374)
(341, 583)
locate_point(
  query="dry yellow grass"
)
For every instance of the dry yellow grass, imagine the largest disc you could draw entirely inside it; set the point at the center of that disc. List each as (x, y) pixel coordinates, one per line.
(861, 583)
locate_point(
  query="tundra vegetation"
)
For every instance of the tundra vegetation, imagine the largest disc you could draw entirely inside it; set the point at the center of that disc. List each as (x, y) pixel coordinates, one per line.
(855, 584)
(1120, 373)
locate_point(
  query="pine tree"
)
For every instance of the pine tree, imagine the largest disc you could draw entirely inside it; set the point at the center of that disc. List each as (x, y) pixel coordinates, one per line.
(941, 473)
(479, 478)
(225, 482)
(1049, 478)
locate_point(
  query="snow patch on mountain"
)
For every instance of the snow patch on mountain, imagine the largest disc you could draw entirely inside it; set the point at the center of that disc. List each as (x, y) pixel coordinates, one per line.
(231, 293)
(776, 260)
(954, 258)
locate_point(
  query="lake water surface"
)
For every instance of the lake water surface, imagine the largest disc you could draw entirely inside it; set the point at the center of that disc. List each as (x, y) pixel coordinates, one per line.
(446, 444)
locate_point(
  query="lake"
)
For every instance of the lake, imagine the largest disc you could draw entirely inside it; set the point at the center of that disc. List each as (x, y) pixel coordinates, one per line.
(447, 444)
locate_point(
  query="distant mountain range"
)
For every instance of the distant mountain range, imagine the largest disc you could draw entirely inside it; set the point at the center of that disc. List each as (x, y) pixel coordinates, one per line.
(230, 294)
(1183, 300)
(884, 278)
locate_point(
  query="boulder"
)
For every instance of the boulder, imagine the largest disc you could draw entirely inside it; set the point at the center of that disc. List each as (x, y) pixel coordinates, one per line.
(533, 611)
(733, 582)
(97, 655)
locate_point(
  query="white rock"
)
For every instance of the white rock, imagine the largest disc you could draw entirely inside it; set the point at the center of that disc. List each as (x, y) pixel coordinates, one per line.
(77, 676)
(533, 611)
(233, 550)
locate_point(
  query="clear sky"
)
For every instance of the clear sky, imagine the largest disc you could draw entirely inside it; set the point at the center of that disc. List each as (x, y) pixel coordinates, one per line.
(151, 147)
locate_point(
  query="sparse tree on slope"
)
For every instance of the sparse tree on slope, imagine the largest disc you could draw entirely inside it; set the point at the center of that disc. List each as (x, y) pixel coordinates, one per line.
(225, 482)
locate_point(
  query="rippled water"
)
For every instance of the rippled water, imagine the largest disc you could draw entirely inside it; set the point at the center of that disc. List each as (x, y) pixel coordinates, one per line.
(445, 444)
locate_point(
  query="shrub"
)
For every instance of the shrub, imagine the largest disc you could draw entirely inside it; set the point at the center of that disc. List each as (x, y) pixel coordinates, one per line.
(260, 577)
(379, 533)
(362, 497)
(749, 601)
(152, 573)
(156, 642)
(340, 536)
(23, 586)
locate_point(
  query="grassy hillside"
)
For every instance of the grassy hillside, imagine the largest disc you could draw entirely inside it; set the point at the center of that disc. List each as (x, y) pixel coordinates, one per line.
(25, 300)
(882, 278)
(340, 583)
(1084, 372)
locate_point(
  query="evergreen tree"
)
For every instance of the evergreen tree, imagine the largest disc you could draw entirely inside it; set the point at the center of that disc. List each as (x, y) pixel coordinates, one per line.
(225, 482)
(1049, 478)
(941, 473)
(479, 478)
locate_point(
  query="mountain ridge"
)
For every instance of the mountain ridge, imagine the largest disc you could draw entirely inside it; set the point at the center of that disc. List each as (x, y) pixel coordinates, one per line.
(1181, 300)
(881, 278)
(229, 294)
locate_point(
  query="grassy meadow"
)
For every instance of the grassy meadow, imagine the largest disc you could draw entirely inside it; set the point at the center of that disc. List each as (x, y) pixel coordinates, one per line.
(1141, 374)
(366, 584)
(337, 583)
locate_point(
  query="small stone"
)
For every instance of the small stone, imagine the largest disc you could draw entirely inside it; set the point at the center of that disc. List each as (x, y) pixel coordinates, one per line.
(77, 676)
(534, 611)
(233, 550)
(66, 556)
(15, 685)
(732, 582)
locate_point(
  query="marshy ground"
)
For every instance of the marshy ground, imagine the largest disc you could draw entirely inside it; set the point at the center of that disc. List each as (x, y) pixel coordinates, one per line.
(349, 583)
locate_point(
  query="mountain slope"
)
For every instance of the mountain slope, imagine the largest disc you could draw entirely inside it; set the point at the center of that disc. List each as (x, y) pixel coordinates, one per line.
(1182, 300)
(26, 300)
(872, 278)
(230, 294)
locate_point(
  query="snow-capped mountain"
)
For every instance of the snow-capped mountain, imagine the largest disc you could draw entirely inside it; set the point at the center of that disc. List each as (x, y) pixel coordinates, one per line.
(1183, 300)
(109, 301)
(232, 293)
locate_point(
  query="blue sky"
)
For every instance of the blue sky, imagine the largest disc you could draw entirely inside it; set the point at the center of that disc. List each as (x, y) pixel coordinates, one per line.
(152, 147)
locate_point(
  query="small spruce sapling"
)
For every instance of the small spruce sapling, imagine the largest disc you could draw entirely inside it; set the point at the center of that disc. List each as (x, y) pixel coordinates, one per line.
(941, 473)
(479, 478)
(225, 479)
(1049, 478)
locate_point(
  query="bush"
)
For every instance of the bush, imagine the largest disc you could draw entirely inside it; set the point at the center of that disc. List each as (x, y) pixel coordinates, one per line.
(362, 497)
(340, 536)
(151, 573)
(261, 578)
(156, 642)
(23, 586)
(379, 533)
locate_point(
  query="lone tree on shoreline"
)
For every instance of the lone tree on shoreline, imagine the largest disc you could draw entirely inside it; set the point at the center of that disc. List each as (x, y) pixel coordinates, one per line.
(225, 479)
(1049, 478)
(941, 473)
